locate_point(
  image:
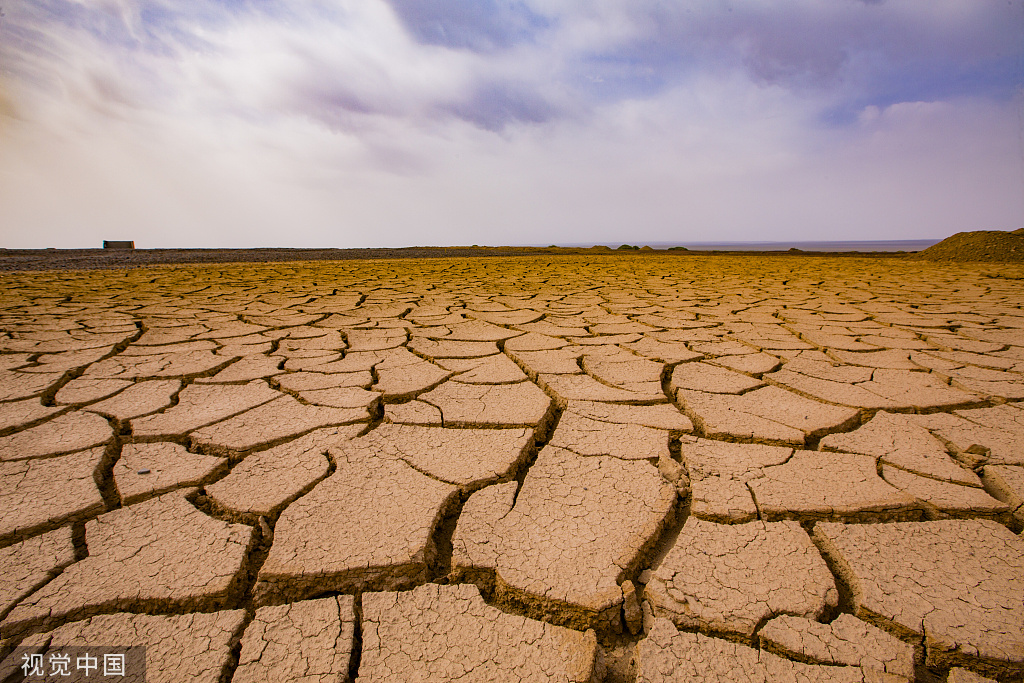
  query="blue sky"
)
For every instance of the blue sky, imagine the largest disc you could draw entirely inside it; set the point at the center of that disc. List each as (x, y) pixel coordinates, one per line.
(375, 123)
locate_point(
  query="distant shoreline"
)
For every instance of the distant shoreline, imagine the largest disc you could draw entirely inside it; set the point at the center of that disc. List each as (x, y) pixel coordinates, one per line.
(12, 260)
(831, 246)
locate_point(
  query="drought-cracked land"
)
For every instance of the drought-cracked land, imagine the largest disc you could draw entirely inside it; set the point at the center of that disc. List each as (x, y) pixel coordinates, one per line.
(548, 468)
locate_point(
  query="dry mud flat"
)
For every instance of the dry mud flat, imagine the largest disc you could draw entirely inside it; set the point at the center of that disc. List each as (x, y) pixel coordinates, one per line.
(556, 469)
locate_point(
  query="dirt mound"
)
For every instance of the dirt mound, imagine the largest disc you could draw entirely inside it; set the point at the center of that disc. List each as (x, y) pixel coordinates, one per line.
(980, 245)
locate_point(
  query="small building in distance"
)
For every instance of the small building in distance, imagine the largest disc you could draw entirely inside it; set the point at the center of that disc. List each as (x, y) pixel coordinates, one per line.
(118, 244)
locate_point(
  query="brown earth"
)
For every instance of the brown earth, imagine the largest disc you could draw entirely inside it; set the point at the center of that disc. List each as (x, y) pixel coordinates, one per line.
(979, 245)
(596, 467)
(90, 259)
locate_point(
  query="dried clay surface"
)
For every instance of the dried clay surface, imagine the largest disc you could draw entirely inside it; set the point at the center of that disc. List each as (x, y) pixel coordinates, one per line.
(161, 551)
(847, 641)
(667, 656)
(187, 647)
(448, 633)
(729, 578)
(956, 583)
(306, 642)
(588, 466)
(578, 527)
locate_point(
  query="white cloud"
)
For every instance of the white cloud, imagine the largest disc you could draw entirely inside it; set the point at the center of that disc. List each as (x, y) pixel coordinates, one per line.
(298, 126)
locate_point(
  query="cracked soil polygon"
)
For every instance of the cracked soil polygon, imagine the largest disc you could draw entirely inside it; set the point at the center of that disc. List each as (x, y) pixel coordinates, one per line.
(586, 436)
(578, 527)
(497, 369)
(946, 499)
(375, 340)
(245, 370)
(846, 641)
(64, 434)
(448, 633)
(669, 656)
(478, 330)
(561, 361)
(997, 432)
(532, 341)
(341, 397)
(26, 566)
(20, 414)
(719, 472)
(158, 365)
(266, 481)
(849, 394)
(282, 418)
(988, 382)
(413, 412)
(468, 458)
(139, 399)
(960, 675)
(624, 369)
(160, 552)
(768, 414)
(721, 498)
(39, 494)
(15, 385)
(203, 404)
(87, 389)
(662, 352)
(705, 456)
(322, 541)
(862, 387)
(832, 486)
(711, 378)
(475, 542)
(452, 349)
(583, 387)
(192, 647)
(547, 328)
(402, 375)
(729, 578)
(302, 642)
(889, 358)
(957, 583)
(147, 469)
(495, 405)
(898, 440)
(751, 363)
(661, 416)
(306, 381)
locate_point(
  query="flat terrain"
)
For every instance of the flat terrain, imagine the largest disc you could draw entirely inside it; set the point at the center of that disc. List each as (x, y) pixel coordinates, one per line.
(90, 259)
(549, 467)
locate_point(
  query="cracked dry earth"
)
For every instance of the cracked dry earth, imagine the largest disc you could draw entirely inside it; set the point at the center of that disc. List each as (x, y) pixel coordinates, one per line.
(611, 468)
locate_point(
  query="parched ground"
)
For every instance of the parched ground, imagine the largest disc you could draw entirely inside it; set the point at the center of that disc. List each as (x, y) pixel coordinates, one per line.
(978, 245)
(540, 468)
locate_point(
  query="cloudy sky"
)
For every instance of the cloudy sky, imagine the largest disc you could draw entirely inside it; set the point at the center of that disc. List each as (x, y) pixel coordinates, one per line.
(233, 123)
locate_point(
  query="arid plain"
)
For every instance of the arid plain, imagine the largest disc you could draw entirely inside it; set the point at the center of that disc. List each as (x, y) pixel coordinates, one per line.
(555, 468)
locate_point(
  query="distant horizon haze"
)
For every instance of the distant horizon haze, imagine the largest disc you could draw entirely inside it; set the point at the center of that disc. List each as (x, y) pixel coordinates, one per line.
(824, 246)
